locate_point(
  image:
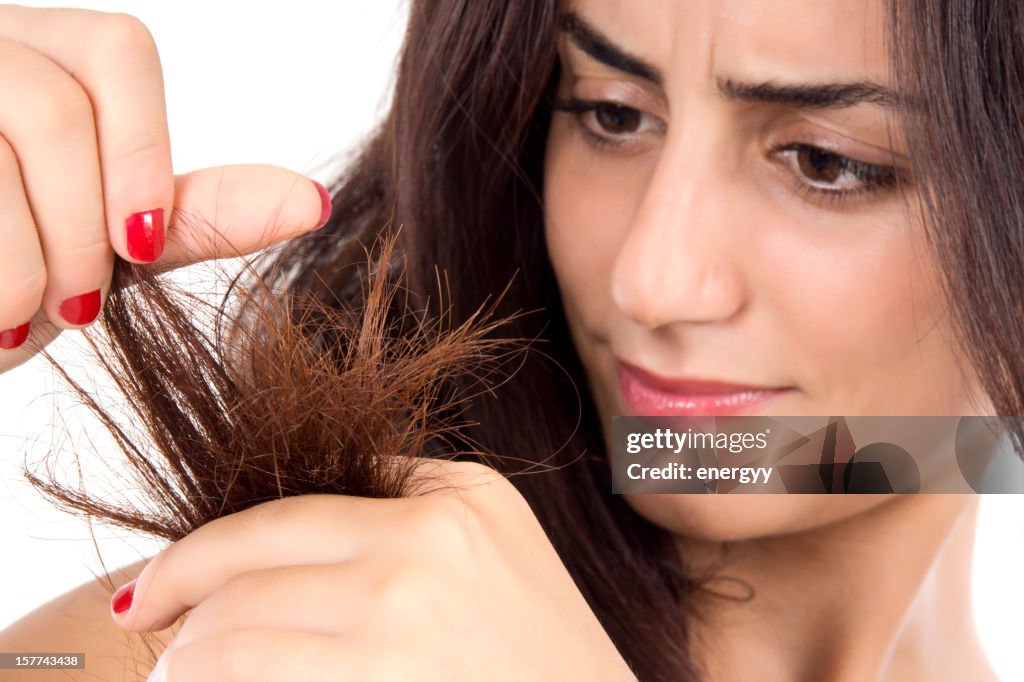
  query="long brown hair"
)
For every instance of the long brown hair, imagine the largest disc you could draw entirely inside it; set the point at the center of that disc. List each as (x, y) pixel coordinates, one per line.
(960, 66)
(456, 169)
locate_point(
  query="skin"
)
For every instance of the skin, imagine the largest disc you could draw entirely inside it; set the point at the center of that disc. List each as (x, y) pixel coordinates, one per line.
(709, 255)
(702, 258)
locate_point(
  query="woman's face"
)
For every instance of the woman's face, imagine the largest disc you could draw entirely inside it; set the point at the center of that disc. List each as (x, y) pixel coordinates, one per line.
(725, 217)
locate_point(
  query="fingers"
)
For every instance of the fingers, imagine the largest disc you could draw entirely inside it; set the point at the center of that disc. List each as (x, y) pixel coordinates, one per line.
(233, 210)
(56, 155)
(22, 268)
(93, 166)
(311, 530)
(269, 655)
(323, 599)
(125, 83)
(88, 143)
(114, 63)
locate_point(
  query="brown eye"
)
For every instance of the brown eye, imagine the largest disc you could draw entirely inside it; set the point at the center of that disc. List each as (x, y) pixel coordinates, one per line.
(824, 173)
(616, 119)
(608, 125)
(819, 165)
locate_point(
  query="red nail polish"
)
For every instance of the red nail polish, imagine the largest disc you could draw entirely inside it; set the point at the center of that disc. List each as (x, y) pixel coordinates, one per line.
(12, 338)
(121, 601)
(145, 235)
(81, 309)
(325, 203)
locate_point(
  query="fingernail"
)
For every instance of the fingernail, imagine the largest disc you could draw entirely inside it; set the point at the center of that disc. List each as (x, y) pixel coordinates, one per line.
(159, 672)
(121, 601)
(81, 309)
(325, 203)
(145, 232)
(12, 338)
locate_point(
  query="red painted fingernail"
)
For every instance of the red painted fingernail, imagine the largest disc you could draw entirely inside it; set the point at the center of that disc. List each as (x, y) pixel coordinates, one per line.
(121, 601)
(325, 202)
(145, 232)
(81, 309)
(12, 338)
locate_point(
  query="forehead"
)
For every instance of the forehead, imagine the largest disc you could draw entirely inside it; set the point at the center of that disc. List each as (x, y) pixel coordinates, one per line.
(820, 40)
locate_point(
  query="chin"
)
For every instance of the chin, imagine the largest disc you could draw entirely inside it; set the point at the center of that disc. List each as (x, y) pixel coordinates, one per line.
(737, 517)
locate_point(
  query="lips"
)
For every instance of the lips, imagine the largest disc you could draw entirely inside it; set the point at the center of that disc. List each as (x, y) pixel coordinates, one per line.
(650, 395)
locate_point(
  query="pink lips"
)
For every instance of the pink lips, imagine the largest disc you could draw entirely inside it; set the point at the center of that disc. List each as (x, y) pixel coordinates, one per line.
(650, 395)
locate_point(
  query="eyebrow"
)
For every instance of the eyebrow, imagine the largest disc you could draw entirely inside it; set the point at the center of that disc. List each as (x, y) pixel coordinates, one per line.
(598, 46)
(810, 96)
(804, 96)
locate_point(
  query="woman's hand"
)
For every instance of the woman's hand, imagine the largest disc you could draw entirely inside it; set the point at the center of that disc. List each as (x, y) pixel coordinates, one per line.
(457, 583)
(85, 173)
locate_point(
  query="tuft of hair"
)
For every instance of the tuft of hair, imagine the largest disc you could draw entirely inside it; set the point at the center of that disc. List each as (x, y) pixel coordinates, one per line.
(277, 395)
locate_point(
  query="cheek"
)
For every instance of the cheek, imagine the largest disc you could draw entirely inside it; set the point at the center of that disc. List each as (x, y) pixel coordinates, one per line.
(865, 319)
(588, 210)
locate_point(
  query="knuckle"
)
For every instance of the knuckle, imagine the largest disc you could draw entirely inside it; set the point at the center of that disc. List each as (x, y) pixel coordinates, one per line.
(65, 112)
(441, 523)
(484, 488)
(488, 483)
(475, 470)
(123, 34)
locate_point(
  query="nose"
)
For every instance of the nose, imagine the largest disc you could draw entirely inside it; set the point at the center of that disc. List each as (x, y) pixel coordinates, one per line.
(679, 260)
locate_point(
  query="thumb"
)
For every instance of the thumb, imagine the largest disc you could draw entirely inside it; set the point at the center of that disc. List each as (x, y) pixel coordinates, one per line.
(229, 211)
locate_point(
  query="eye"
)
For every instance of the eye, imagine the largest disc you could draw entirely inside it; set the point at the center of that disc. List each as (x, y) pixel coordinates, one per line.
(825, 172)
(609, 124)
(617, 119)
(819, 165)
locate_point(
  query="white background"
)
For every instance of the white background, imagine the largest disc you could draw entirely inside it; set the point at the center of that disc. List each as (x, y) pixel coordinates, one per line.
(292, 84)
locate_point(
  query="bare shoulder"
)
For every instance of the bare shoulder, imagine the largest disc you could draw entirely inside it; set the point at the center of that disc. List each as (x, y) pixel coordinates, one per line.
(79, 621)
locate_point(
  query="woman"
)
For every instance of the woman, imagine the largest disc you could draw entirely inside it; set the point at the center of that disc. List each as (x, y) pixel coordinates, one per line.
(762, 207)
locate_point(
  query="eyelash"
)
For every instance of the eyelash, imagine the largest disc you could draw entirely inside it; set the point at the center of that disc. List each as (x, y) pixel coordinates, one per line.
(873, 179)
(582, 107)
